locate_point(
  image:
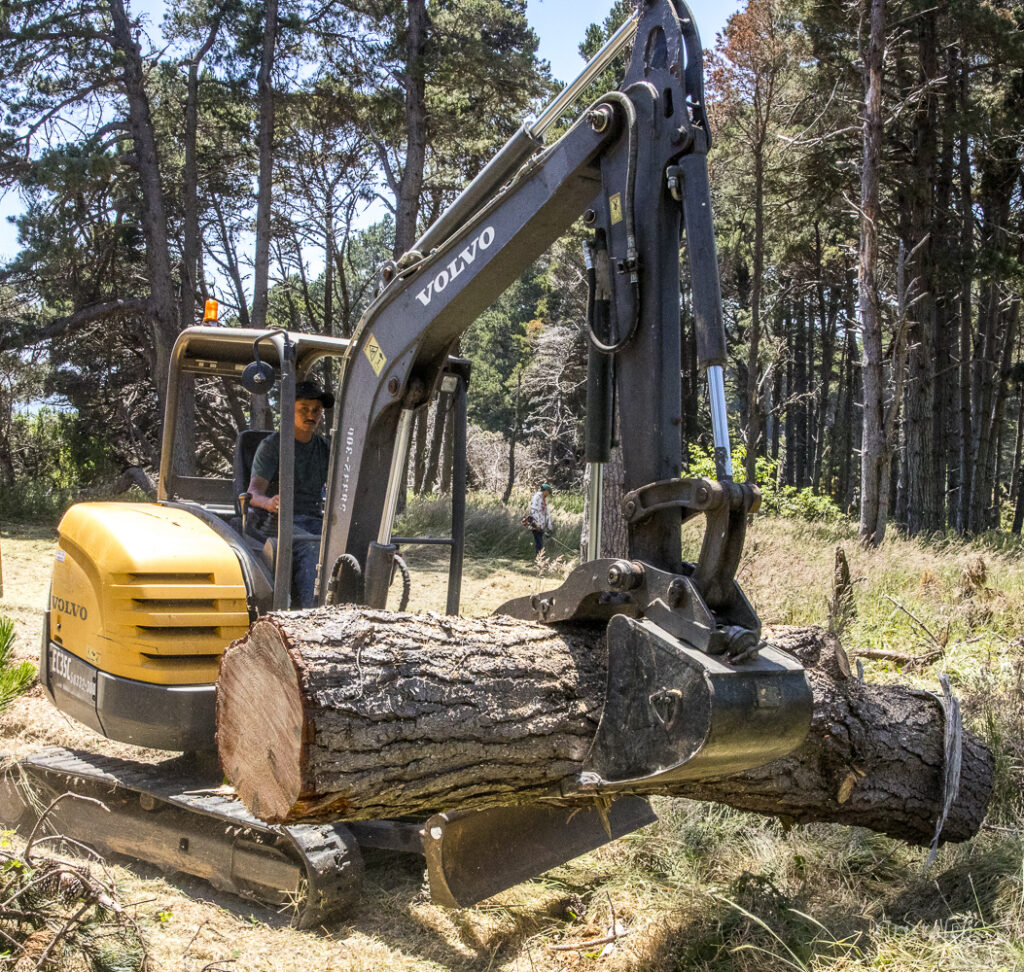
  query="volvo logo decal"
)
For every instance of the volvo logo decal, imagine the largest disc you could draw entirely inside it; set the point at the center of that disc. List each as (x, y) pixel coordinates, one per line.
(444, 277)
(69, 607)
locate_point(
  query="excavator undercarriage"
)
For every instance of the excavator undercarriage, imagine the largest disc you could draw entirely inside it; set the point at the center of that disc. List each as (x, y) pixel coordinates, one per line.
(179, 816)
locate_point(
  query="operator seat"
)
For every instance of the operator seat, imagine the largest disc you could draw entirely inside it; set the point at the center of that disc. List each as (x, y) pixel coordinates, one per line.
(246, 444)
(245, 451)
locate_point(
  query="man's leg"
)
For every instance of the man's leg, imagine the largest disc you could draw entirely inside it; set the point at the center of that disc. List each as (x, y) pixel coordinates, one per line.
(305, 557)
(538, 540)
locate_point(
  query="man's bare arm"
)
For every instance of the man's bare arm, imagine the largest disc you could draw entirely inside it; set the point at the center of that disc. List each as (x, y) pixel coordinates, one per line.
(258, 488)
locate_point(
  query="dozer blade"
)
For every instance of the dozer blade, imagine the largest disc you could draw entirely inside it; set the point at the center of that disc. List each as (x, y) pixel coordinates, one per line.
(180, 819)
(476, 854)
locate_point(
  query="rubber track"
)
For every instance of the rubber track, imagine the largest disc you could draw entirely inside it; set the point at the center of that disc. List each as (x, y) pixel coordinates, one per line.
(334, 872)
(329, 854)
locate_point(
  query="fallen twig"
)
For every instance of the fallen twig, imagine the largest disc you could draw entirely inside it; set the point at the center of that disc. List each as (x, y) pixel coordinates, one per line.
(74, 796)
(901, 658)
(593, 942)
(84, 849)
(917, 621)
(188, 947)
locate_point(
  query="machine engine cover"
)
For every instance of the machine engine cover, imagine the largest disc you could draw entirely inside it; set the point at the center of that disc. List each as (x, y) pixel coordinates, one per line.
(143, 601)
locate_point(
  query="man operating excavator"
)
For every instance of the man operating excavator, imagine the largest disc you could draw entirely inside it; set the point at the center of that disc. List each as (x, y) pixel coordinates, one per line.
(312, 455)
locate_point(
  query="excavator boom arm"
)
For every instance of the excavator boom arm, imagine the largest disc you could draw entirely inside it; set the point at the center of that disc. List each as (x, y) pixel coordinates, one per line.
(612, 167)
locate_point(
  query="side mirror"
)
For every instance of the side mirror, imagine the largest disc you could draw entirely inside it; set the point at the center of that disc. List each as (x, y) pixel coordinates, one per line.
(258, 377)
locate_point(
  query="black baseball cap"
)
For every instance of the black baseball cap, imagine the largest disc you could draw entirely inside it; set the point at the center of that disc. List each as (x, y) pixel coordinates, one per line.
(311, 390)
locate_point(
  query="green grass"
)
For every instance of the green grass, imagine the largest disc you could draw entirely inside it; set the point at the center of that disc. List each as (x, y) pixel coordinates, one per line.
(492, 529)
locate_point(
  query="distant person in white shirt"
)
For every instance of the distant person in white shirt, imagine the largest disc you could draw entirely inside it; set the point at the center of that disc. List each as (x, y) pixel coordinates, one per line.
(539, 519)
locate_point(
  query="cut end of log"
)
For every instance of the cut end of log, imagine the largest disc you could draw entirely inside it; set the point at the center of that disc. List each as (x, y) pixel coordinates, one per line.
(259, 701)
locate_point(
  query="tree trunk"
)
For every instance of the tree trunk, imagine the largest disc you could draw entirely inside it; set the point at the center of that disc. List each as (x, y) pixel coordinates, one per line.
(510, 479)
(693, 388)
(773, 417)
(407, 194)
(614, 530)
(827, 319)
(364, 714)
(448, 452)
(966, 255)
(800, 401)
(942, 279)
(513, 438)
(789, 464)
(419, 464)
(753, 433)
(436, 437)
(328, 270)
(191, 235)
(265, 143)
(850, 440)
(873, 757)
(146, 159)
(875, 452)
(919, 298)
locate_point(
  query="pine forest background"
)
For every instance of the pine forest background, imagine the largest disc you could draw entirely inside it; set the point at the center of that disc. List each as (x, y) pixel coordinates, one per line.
(869, 203)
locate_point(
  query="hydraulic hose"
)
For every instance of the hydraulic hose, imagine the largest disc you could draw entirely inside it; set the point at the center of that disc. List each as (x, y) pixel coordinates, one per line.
(629, 109)
(403, 569)
(334, 586)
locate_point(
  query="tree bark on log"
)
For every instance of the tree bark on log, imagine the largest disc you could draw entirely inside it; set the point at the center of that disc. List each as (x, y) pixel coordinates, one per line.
(874, 757)
(359, 714)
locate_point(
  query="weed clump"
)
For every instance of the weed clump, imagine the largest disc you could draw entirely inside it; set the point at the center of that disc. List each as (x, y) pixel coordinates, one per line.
(59, 914)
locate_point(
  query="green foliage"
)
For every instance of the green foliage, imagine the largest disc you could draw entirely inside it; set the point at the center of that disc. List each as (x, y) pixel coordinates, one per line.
(499, 346)
(787, 501)
(54, 455)
(14, 679)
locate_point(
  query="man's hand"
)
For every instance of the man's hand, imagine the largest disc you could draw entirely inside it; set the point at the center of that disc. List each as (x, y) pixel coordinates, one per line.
(273, 504)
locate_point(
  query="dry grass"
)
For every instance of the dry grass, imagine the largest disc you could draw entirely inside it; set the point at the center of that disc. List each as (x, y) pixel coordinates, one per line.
(704, 888)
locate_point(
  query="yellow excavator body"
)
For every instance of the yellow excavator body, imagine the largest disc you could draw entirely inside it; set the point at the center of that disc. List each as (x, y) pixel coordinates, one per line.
(150, 591)
(144, 599)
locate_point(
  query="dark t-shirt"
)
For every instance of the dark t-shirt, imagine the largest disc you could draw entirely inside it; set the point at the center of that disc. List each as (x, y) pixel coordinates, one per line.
(311, 461)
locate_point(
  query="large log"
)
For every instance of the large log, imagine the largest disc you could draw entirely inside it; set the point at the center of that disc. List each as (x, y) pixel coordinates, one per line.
(874, 757)
(348, 715)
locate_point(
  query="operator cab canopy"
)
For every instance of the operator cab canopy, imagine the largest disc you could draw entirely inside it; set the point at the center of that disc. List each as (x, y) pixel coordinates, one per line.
(225, 352)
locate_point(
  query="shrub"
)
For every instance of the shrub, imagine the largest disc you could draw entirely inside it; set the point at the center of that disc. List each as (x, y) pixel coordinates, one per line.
(492, 529)
(788, 501)
(53, 458)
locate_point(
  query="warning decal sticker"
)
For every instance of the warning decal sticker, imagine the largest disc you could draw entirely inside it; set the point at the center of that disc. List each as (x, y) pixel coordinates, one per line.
(615, 205)
(375, 355)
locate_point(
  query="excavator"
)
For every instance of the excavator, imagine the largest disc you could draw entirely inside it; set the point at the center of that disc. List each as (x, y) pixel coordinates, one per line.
(146, 597)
